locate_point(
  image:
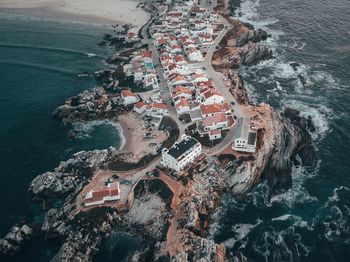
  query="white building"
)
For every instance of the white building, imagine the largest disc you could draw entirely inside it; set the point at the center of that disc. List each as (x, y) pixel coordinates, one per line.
(244, 137)
(214, 134)
(111, 192)
(181, 154)
(194, 55)
(218, 121)
(209, 96)
(182, 106)
(157, 109)
(129, 97)
(140, 107)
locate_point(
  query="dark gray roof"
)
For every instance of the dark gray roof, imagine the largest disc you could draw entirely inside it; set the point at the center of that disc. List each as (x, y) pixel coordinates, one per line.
(251, 138)
(242, 128)
(182, 147)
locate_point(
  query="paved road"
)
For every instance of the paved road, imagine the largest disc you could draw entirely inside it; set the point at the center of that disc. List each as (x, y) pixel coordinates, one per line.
(163, 86)
(213, 75)
(220, 85)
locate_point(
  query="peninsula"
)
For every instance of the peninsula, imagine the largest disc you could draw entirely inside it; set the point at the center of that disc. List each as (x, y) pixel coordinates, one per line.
(191, 135)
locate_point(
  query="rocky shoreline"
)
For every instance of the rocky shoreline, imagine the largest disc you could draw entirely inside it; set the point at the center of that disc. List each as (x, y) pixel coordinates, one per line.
(178, 231)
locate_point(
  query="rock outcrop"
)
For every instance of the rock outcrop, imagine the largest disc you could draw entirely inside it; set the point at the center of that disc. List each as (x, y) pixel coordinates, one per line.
(251, 35)
(83, 232)
(15, 239)
(93, 104)
(287, 139)
(253, 53)
(238, 89)
(70, 175)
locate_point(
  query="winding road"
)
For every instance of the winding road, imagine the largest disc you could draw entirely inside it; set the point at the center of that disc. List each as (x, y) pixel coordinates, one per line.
(212, 74)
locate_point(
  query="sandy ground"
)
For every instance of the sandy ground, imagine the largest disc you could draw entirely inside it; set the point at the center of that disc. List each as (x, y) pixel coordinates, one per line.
(93, 11)
(134, 130)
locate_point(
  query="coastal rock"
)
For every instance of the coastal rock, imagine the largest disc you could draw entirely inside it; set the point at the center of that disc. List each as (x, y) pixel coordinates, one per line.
(251, 35)
(254, 53)
(286, 139)
(70, 174)
(93, 104)
(293, 140)
(238, 89)
(14, 240)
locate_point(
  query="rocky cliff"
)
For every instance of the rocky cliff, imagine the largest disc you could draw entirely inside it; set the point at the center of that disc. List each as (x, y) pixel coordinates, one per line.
(286, 139)
(14, 240)
(83, 232)
(293, 140)
(70, 175)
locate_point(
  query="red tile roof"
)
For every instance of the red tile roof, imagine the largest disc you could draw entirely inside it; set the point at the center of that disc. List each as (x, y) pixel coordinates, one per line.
(214, 108)
(211, 92)
(139, 104)
(147, 53)
(182, 89)
(179, 58)
(126, 93)
(98, 195)
(214, 132)
(182, 103)
(160, 106)
(213, 120)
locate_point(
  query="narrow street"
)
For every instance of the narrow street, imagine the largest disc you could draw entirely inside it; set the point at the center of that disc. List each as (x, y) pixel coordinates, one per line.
(212, 74)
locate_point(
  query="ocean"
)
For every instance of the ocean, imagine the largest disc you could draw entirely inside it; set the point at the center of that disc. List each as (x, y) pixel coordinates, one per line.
(310, 72)
(39, 63)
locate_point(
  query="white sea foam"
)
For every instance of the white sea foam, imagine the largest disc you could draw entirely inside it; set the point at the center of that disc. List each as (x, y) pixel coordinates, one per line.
(90, 54)
(242, 230)
(282, 218)
(325, 80)
(85, 129)
(335, 196)
(319, 112)
(297, 194)
(296, 220)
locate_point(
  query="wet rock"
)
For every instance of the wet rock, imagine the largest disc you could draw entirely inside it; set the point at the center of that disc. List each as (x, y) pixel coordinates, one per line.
(251, 35)
(310, 124)
(93, 104)
(15, 239)
(295, 66)
(292, 140)
(72, 134)
(70, 174)
(254, 53)
(238, 89)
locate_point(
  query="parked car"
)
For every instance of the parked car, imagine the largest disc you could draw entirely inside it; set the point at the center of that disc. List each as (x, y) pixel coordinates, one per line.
(232, 103)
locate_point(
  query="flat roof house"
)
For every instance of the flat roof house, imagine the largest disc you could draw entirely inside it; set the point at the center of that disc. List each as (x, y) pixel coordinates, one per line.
(181, 153)
(244, 137)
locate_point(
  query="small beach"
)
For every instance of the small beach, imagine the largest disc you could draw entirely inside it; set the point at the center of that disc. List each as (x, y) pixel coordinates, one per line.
(87, 11)
(133, 131)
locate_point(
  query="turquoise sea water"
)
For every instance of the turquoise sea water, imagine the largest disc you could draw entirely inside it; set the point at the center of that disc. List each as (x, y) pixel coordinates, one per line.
(312, 36)
(39, 66)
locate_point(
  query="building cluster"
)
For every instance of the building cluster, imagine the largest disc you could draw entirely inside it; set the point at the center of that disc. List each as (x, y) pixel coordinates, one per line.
(142, 70)
(181, 36)
(190, 27)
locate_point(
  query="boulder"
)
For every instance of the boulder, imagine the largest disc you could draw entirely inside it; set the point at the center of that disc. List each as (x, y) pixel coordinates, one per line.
(254, 53)
(15, 239)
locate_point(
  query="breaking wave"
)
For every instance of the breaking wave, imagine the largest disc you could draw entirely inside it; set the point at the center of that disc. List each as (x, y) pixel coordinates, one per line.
(85, 130)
